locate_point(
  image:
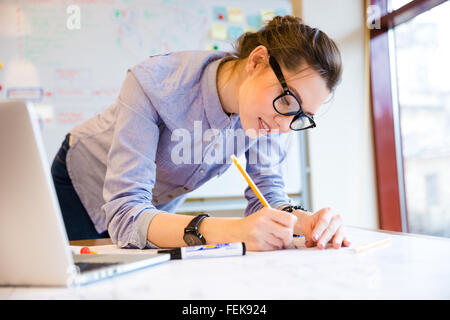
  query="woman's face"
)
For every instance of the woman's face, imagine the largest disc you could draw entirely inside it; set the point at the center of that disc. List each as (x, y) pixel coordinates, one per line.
(261, 87)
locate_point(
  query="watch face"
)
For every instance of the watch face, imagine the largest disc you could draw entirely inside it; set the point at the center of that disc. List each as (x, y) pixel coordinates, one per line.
(192, 239)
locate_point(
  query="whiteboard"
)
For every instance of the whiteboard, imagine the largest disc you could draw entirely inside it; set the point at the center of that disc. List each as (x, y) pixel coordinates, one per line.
(70, 57)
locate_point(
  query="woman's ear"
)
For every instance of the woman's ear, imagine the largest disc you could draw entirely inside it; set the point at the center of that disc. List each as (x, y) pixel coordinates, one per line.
(257, 60)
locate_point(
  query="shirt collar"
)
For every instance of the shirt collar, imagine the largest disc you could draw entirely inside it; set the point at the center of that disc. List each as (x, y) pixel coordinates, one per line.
(215, 114)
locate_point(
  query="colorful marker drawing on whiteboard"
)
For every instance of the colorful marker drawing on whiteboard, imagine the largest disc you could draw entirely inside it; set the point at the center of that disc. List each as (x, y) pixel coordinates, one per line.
(30, 94)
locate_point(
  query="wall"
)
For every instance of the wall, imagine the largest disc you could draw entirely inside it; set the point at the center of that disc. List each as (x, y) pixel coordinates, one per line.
(340, 148)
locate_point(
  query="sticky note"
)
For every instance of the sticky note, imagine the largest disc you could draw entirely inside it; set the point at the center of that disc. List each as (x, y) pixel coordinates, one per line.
(280, 12)
(249, 29)
(267, 15)
(218, 32)
(234, 32)
(1, 65)
(254, 21)
(219, 13)
(235, 15)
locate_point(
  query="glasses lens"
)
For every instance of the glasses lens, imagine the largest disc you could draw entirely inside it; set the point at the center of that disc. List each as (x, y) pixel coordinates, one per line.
(286, 104)
(301, 123)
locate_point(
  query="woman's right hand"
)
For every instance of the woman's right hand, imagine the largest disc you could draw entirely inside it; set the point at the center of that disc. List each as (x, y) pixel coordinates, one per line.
(266, 229)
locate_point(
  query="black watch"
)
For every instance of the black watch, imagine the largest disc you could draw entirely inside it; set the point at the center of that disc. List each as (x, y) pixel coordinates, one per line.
(191, 235)
(292, 208)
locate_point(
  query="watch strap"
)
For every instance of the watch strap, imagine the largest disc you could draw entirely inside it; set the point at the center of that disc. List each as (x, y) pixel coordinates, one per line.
(193, 225)
(191, 235)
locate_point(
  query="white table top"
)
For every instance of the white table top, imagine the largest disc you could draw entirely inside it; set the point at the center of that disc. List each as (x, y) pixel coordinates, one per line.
(412, 267)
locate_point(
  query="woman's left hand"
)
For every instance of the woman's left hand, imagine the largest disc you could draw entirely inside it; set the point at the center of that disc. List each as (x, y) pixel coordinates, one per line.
(320, 228)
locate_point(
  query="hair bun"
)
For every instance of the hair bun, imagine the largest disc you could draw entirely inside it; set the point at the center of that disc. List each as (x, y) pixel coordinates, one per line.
(295, 44)
(280, 21)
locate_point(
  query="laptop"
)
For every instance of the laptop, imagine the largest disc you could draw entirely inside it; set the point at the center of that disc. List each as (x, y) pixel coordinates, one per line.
(34, 246)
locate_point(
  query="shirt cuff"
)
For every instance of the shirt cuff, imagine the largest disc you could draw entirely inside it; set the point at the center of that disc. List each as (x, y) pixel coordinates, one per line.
(138, 237)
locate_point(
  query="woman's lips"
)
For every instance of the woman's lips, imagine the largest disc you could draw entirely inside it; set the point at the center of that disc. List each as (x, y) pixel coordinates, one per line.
(264, 125)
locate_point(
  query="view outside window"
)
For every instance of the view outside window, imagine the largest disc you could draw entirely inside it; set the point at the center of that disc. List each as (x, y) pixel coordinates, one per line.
(395, 4)
(422, 53)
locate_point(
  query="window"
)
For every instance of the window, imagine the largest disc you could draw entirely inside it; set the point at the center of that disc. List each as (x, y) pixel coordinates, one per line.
(396, 4)
(422, 49)
(411, 115)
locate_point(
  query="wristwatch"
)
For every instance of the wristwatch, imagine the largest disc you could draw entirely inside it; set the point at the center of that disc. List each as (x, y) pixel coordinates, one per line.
(191, 235)
(292, 208)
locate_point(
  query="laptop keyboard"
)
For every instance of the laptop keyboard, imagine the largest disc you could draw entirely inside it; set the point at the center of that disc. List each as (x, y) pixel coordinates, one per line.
(89, 266)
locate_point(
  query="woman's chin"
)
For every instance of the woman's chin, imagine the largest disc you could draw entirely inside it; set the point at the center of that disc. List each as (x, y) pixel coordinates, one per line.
(252, 133)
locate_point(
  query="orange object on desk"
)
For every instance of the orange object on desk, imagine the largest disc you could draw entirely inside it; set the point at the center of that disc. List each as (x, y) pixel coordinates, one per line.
(86, 250)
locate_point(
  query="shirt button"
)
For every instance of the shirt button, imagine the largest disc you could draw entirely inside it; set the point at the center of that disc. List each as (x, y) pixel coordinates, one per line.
(202, 170)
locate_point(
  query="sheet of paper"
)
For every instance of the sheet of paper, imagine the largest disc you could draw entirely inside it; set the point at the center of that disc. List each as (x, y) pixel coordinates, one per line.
(111, 249)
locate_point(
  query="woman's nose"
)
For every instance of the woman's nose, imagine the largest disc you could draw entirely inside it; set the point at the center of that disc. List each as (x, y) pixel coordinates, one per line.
(283, 122)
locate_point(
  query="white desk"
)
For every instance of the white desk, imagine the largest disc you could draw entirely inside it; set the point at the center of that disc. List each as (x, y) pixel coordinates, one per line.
(412, 267)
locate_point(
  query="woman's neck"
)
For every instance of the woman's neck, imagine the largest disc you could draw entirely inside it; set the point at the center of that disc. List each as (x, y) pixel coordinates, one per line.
(228, 84)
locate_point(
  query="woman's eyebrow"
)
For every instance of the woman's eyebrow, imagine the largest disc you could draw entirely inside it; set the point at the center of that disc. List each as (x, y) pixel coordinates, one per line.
(296, 93)
(300, 98)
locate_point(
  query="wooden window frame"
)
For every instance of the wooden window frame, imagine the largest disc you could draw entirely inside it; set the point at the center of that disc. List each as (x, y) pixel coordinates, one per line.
(390, 183)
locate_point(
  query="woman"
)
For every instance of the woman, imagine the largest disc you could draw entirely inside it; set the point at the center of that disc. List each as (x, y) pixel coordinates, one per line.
(120, 173)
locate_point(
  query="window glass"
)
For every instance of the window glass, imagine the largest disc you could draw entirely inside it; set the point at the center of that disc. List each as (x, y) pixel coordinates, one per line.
(395, 4)
(422, 52)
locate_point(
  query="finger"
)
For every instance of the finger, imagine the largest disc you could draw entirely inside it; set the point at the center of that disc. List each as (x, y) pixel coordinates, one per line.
(338, 238)
(310, 243)
(273, 242)
(283, 234)
(346, 242)
(284, 218)
(325, 216)
(330, 231)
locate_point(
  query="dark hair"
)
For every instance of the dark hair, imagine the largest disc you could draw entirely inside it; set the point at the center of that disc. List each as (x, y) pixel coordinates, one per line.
(295, 44)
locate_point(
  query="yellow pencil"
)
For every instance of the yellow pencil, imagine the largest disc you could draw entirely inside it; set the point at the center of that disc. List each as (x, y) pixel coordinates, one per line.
(251, 183)
(373, 245)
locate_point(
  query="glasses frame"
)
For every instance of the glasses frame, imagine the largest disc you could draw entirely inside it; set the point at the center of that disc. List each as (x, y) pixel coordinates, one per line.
(286, 92)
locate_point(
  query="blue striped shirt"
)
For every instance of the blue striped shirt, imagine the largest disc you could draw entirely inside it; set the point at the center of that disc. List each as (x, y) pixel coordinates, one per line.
(165, 135)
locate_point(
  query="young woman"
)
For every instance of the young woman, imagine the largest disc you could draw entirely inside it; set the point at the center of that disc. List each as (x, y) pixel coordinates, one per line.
(119, 174)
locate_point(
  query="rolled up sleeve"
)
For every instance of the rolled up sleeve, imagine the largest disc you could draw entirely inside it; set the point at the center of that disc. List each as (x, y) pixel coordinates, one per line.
(264, 165)
(131, 168)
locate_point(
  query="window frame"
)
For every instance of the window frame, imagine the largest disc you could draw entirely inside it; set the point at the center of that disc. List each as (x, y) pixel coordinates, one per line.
(385, 114)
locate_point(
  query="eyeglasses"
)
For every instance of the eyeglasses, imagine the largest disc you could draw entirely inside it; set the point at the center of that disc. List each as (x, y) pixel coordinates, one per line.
(287, 104)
